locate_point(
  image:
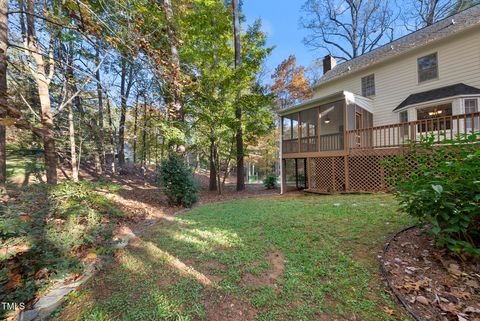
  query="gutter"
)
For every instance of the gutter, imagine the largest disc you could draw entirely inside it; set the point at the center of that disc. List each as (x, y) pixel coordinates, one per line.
(313, 102)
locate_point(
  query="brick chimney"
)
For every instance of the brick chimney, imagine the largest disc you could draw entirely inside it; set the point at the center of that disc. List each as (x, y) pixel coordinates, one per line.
(328, 63)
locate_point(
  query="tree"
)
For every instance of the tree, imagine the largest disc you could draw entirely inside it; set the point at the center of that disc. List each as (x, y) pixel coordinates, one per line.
(3, 92)
(175, 84)
(347, 28)
(423, 13)
(289, 83)
(43, 75)
(238, 109)
(126, 83)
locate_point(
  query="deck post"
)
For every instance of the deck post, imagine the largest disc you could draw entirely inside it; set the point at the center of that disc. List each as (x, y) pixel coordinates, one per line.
(347, 177)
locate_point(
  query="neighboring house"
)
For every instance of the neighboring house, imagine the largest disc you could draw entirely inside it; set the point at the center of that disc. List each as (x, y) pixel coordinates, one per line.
(427, 82)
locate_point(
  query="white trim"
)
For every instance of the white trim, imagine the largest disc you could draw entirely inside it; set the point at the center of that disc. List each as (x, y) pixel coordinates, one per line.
(340, 95)
(364, 102)
(432, 102)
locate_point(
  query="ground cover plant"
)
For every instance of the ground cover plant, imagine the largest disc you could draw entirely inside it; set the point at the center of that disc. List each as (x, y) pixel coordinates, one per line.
(280, 258)
(442, 188)
(46, 232)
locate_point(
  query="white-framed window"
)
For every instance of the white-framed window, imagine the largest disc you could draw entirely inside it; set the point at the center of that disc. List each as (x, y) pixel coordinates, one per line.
(403, 118)
(427, 67)
(368, 86)
(471, 106)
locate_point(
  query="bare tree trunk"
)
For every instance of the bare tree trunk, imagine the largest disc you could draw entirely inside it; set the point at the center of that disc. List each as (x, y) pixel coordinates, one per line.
(125, 86)
(3, 93)
(43, 81)
(144, 132)
(101, 134)
(112, 135)
(238, 109)
(135, 131)
(213, 172)
(73, 151)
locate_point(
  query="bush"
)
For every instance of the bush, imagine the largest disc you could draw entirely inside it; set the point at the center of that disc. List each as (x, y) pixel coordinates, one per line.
(270, 181)
(440, 185)
(178, 183)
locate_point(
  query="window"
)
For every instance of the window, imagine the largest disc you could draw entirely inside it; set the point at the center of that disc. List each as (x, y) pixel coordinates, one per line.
(368, 86)
(434, 118)
(471, 106)
(403, 117)
(472, 122)
(427, 67)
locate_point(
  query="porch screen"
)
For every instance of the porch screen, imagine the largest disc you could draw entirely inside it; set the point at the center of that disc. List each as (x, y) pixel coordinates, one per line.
(331, 126)
(308, 132)
(290, 133)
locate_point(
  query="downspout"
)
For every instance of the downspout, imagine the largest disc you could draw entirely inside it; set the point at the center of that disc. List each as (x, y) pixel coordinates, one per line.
(282, 187)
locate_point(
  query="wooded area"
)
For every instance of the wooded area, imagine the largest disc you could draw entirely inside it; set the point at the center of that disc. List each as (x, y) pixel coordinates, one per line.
(121, 84)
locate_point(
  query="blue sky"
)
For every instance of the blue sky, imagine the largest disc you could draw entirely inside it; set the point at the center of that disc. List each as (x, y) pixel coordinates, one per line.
(280, 20)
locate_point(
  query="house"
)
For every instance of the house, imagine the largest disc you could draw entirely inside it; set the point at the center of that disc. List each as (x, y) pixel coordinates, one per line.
(366, 109)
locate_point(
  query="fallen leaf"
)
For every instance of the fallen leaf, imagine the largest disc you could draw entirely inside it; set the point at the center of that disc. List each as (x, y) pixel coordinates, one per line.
(421, 299)
(460, 294)
(91, 257)
(450, 307)
(454, 269)
(14, 281)
(388, 311)
(413, 286)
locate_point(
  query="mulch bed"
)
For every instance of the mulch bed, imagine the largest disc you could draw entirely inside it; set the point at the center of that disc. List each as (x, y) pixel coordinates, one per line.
(431, 282)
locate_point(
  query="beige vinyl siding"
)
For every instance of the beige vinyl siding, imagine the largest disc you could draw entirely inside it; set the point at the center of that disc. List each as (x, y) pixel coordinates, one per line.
(397, 78)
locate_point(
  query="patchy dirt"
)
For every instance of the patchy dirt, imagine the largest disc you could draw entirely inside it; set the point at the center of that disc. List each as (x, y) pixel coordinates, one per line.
(224, 307)
(277, 260)
(433, 283)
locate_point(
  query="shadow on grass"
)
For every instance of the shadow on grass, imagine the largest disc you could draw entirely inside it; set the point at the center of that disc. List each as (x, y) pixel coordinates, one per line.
(193, 268)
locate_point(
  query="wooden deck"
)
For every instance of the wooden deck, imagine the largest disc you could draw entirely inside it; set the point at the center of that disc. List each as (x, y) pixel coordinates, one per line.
(355, 167)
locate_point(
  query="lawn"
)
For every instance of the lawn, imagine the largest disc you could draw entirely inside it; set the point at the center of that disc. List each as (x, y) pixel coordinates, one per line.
(23, 163)
(301, 257)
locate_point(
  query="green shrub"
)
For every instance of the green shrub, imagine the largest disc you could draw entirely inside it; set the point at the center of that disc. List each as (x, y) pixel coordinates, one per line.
(178, 183)
(270, 181)
(441, 186)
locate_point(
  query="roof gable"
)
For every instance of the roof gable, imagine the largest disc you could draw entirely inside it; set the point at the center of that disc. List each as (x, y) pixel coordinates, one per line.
(440, 30)
(438, 93)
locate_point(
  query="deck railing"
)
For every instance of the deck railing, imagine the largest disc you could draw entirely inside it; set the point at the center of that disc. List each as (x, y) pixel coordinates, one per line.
(308, 144)
(290, 146)
(331, 142)
(397, 135)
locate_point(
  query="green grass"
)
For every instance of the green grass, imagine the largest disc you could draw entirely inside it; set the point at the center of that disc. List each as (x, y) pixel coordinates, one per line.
(331, 272)
(22, 162)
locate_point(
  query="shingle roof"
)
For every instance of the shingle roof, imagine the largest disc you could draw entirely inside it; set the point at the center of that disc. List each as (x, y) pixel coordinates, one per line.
(439, 93)
(442, 29)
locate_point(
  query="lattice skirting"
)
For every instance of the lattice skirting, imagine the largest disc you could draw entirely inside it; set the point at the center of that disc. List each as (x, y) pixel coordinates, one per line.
(361, 171)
